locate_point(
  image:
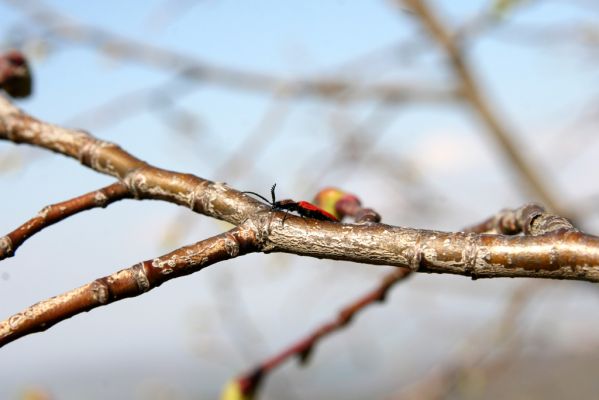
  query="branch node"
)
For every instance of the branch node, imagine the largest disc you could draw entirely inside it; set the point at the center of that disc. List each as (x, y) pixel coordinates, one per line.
(470, 254)
(249, 384)
(90, 153)
(345, 317)
(383, 295)
(136, 182)
(141, 277)
(199, 202)
(304, 356)
(415, 258)
(528, 214)
(231, 245)
(100, 291)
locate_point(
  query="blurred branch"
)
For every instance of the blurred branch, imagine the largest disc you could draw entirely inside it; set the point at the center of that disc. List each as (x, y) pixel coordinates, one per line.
(443, 381)
(353, 141)
(169, 11)
(124, 105)
(192, 68)
(249, 382)
(529, 177)
(256, 141)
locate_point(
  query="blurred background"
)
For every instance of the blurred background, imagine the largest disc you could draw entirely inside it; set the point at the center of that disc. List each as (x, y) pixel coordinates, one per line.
(352, 94)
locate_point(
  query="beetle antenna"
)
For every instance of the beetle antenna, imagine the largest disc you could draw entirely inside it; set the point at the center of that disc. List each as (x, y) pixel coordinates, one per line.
(259, 195)
(272, 193)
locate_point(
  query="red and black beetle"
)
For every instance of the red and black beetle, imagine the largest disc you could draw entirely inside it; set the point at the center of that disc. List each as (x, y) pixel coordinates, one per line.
(303, 208)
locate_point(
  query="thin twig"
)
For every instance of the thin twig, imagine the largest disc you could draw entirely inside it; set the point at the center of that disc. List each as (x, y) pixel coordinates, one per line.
(303, 348)
(57, 212)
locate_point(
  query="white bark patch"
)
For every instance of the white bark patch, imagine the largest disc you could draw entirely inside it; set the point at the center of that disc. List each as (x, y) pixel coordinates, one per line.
(100, 198)
(483, 257)
(185, 196)
(165, 266)
(139, 274)
(43, 213)
(197, 195)
(100, 292)
(158, 192)
(209, 197)
(470, 257)
(429, 254)
(231, 246)
(5, 245)
(55, 134)
(92, 150)
(5, 329)
(136, 182)
(42, 308)
(15, 321)
(415, 254)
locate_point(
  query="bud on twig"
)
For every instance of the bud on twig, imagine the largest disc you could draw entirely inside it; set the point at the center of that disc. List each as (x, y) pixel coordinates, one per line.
(15, 75)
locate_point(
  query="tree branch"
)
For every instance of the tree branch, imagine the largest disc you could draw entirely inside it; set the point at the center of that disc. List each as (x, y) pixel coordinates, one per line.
(561, 254)
(57, 212)
(553, 249)
(129, 282)
(530, 219)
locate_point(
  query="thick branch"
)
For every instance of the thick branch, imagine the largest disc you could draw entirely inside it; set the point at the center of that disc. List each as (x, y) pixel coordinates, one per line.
(129, 282)
(57, 212)
(530, 219)
(560, 254)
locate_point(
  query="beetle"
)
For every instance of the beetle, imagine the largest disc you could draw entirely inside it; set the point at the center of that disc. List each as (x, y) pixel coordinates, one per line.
(303, 208)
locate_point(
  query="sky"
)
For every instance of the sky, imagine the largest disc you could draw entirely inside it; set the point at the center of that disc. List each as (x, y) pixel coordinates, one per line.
(185, 339)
